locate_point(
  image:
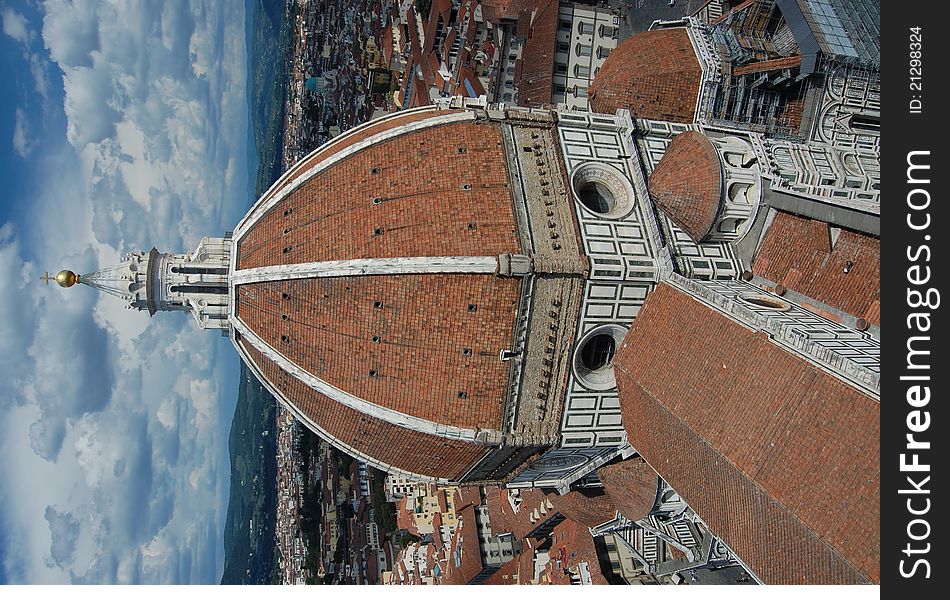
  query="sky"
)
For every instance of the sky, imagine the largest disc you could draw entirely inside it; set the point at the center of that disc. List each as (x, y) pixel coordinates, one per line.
(123, 125)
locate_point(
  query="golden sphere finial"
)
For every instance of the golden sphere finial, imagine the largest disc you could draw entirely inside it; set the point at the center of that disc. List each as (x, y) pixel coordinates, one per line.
(66, 278)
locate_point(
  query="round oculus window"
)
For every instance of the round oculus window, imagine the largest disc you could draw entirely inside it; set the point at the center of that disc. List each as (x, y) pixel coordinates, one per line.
(594, 357)
(603, 190)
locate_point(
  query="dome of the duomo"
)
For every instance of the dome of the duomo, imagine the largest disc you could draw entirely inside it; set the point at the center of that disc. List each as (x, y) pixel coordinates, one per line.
(654, 75)
(371, 291)
(687, 183)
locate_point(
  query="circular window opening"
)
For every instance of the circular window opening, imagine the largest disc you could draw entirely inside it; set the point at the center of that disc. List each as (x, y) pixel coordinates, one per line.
(765, 302)
(603, 190)
(598, 352)
(596, 197)
(594, 356)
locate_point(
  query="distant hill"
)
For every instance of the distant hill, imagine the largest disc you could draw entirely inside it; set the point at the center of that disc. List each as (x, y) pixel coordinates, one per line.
(270, 44)
(250, 551)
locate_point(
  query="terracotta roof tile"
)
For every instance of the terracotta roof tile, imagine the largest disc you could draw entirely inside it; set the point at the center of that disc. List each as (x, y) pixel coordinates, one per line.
(687, 183)
(386, 442)
(431, 356)
(536, 81)
(761, 66)
(387, 42)
(517, 571)
(654, 74)
(632, 485)
(779, 458)
(465, 548)
(796, 252)
(354, 136)
(504, 519)
(572, 545)
(462, 208)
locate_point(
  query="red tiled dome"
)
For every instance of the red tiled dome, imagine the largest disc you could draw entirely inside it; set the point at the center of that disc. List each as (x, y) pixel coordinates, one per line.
(687, 183)
(654, 74)
(396, 361)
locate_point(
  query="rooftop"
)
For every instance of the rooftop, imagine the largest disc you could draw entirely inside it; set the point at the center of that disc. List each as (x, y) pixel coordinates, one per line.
(654, 74)
(795, 489)
(632, 485)
(798, 253)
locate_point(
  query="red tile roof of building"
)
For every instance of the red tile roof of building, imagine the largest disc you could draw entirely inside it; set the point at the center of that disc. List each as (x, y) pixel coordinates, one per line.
(504, 519)
(778, 457)
(572, 545)
(687, 183)
(405, 518)
(430, 194)
(518, 571)
(536, 81)
(330, 327)
(410, 349)
(387, 44)
(797, 253)
(340, 143)
(464, 548)
(654, 74)
(438, 10)
(496, 10)
(762, 66)
(632, 485)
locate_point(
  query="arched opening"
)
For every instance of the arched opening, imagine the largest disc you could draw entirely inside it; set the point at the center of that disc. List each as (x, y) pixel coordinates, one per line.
(766, 302)
(603, 190)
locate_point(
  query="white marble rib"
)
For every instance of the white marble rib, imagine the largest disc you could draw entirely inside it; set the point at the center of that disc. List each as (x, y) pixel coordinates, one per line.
(358, 404)
(416, 265)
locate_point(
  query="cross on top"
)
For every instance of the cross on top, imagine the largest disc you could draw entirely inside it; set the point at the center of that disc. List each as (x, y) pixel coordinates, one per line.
(47, 278)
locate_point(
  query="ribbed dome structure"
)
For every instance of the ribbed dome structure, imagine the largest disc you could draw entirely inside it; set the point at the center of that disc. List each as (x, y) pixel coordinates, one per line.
(654, 74)
(378, 284)
(687, 183)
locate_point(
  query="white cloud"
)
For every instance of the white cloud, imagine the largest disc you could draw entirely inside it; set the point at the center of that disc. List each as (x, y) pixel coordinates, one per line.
(15, 26)
(23, 140)
(115, 425)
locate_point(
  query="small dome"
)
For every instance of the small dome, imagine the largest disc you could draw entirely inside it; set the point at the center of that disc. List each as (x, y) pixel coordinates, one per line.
(66, 278)
(632, 485)
(654, 74)
(687, 184)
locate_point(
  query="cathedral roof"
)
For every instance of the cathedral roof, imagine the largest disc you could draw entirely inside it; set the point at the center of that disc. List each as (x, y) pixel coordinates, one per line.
(654, 74)
(687, 183)
(790, 480)
(367, 292)
(360, 434)
(798, 253)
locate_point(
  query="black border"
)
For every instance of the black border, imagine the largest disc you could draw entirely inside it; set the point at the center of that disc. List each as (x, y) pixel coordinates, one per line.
(903, 132)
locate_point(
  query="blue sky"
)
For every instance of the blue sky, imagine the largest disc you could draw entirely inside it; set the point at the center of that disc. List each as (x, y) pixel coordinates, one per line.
(122, 125)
